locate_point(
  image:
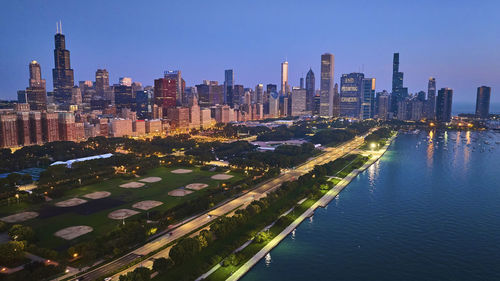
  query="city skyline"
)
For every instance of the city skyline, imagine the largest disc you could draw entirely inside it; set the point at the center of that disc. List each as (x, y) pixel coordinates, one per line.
(252, 63)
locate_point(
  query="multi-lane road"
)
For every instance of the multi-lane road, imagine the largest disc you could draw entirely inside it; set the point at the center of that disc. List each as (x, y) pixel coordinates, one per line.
(330, 154)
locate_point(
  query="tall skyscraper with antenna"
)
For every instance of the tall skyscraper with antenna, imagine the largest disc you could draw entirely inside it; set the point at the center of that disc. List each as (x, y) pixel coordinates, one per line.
(63, 78)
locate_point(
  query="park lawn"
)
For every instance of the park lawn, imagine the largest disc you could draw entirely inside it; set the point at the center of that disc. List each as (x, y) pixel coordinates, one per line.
(120, 198)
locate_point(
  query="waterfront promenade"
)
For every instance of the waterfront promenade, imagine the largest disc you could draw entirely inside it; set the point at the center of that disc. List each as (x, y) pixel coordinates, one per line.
(323, 201)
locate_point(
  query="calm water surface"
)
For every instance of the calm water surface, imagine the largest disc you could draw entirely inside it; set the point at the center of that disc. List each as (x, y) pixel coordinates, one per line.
(428, 210)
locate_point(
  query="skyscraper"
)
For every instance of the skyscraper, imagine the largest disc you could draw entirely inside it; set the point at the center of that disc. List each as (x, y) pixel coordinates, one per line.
(102, 84)
(228, 86)
(301, 82)
(350, 94)
(367, 98)
(62, 73)
(310, 90)
(298, 102)
(443, 105)
(398, 91)
(165, 93)
(176, 75)
(284, 79)
(430, 111)
(36, 94)
(326, 107)
(483, 102)
(259, 93)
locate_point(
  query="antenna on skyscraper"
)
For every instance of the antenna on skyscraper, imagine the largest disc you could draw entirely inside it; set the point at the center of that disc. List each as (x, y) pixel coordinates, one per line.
(60, 26)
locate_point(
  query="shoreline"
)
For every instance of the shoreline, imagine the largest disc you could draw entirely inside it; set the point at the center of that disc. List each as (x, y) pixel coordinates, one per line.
(322, 202)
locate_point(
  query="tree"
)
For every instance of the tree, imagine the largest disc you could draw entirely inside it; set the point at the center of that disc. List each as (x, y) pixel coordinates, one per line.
(139, 274)
(11, 252)
(185, 249)
(3, 226)
(20, 232)
(162, 264)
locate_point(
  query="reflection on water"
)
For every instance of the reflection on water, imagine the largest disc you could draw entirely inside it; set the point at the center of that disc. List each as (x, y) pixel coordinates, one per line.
(373, 172)
(430, 149)
(293, 234)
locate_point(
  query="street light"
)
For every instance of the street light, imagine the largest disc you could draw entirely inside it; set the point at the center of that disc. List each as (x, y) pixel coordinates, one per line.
(373, 145)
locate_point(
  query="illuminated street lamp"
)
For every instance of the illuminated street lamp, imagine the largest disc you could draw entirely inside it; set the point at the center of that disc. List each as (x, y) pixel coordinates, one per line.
(373, 145)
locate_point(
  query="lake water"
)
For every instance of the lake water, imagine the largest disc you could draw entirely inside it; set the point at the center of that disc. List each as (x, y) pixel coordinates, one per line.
(427, 210)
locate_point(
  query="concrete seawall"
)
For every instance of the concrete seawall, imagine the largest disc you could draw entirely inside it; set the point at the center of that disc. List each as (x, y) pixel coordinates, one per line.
(322, 202)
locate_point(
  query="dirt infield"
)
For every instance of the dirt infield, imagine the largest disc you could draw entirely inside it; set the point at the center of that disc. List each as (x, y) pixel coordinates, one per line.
(132, 184)
(72, 232)
(97, 195)
(221, 177)
(122, 214)
(151, 179)
(19, 217)
(196, 186)
(70, 202)
(179, 192)
(146, 205)
(181, 171)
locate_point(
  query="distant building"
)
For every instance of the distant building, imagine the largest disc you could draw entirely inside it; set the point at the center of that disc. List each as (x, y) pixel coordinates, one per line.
(298, 102)
(50, 126)
(124, 96)
(35, 125)
(310, 90)
(327, 107)
(205, 118)
(179, 117)
(259, 93)
(62, 73)
(367, 98)
(228, 86)
(238, 94)
(165, 93)
(179, 93)
(350, 94)
(443, 105)
(483, 102)
(284, 79)
(8, 130)
(223, 114)
(21, 96)
(383, 105)
(273, 104)
(139, 127)
(66, 126)
(399, 92)
(36, 94)
(430, 105)
(194, 115)
(120, 128)
(102, 88)
(154, 127)
(23, 127)
(143, 103)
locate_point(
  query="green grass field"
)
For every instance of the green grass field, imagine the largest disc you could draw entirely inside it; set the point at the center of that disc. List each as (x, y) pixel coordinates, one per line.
(122, 198)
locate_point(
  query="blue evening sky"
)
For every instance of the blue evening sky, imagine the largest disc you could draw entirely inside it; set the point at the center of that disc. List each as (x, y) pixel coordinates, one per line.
(458, 42)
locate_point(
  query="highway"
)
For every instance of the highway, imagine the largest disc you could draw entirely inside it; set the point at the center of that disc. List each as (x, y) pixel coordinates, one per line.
(330, 154)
